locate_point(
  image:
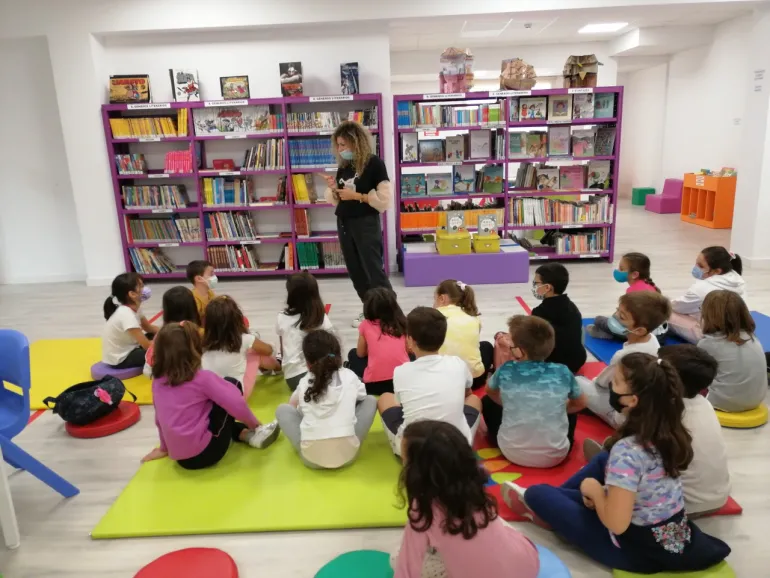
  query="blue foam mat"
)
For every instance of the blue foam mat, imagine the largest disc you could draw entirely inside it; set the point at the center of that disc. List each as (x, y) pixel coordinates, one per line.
(604, 349)
(551, 565)
(763, 328)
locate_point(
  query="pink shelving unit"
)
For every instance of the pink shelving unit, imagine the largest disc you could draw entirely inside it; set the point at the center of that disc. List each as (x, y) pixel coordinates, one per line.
(193, 181)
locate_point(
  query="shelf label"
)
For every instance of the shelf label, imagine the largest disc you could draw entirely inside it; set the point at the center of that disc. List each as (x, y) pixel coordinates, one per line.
(537, 257)
(450, 163)
(506, 93)
(330, 169)
(560, 121)
(589, 256)
(585, 90)
(162, 210)
(572, 226)
(148, 105)
(440, 96)
(325, 132)
(149, 139)
(229, 173)
(168, 244)
(158, 176)
(251, 242)
(332, 98)
(241, 102)
(265, 204)
(700, 180)
(234, 136)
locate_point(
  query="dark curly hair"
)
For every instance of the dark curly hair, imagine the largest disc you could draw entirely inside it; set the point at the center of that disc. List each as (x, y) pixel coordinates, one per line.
(380, 305)
(324, 358)
(440, 469)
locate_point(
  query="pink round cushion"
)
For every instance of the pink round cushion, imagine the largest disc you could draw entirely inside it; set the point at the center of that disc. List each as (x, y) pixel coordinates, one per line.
(191, 563)
(122, 418)
(99, 370)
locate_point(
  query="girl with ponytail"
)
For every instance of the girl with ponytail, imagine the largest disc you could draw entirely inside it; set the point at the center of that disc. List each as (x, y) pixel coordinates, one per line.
(329, 414)
(625, 509)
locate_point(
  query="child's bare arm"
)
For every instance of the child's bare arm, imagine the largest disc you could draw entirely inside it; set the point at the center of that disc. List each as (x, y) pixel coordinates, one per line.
(361, 349)
(261, 347)
(148, 327)
(138, 336)
(577, 404)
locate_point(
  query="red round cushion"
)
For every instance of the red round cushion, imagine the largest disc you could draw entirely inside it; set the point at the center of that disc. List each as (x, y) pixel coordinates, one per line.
(191, 563)
(122, 418)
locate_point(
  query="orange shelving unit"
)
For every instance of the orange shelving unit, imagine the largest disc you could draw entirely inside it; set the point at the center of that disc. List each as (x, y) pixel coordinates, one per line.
(708, 201)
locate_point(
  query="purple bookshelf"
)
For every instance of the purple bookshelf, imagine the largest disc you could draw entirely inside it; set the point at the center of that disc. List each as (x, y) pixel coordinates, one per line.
(199, 145)
(404, 115)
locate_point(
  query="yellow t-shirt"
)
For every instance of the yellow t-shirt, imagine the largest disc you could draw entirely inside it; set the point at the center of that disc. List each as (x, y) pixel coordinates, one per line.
(462, 338)
(200, 304)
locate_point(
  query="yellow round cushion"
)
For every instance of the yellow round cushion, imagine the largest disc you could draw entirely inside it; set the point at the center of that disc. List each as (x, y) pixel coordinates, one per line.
(743, 419)
(721, 570)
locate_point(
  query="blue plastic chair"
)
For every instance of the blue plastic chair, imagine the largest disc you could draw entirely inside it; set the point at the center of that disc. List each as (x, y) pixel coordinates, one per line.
(14, 410)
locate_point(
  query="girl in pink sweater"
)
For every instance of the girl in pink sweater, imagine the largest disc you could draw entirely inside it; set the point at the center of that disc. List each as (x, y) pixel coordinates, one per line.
(196, 410)
(453, 524)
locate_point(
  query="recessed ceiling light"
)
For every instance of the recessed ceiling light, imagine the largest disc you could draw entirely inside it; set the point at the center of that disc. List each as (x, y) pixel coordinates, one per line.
(602, 27)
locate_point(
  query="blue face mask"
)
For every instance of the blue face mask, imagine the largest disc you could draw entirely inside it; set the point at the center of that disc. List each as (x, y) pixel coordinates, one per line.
(620, 276)
(347, 155)
(697, 272)
(616, 326)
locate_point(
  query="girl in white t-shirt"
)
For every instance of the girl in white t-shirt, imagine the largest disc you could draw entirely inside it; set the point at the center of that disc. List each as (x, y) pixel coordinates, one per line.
(127, 333)
(304, 312)
(226, 341)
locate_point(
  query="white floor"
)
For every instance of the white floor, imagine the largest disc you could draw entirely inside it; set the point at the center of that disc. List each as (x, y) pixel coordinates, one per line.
(55, 532)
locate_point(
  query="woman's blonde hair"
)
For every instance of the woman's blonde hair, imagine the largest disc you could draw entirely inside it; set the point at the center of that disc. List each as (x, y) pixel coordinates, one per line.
(360, 141)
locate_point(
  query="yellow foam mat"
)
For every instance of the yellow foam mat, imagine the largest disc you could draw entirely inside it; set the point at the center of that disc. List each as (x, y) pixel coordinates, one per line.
(721, 570)
(253, 490)
(743, 419)
(57, 364)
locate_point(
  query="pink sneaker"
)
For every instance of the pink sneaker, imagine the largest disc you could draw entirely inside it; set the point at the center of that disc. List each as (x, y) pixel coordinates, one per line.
(513, 496)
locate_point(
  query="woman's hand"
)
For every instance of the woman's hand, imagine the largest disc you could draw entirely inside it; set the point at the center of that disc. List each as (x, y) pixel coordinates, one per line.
(330, 181)
(155, 454)
(348, 195)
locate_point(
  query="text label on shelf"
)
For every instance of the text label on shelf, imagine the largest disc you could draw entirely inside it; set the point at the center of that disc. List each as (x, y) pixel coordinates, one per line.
(331, 98)
(241, 102)
(450, 163)
(148, 105)
(537, 257)
(440, 96)
(572, 227)
(168, 244)
(162, 211)
(330, 169)
(506, 93)
(158, 176)
(325, 132)
(149, 139)
(251, 242)
(229, 173)
(560, 121)
(234, 136)
(580, 90)
(588, 256)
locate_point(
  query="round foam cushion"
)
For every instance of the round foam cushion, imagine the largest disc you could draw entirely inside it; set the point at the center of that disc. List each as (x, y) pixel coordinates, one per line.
(721, 570)
(550, 565)
(122, 418)
(99, 370)
(743, 419)
(191, 563)
(369, 563)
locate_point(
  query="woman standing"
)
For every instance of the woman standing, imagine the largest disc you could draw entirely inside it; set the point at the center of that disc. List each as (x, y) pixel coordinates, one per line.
(360, 191)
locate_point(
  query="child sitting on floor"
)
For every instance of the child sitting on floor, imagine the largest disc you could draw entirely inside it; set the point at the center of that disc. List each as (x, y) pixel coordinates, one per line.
(433, 386)
(453, 528)
(329, 414)
(638, 314)
(625, 509)
(706, 481)
(550, 284)
(195, 409)
(178, 305)
(728, 335)
(226, 340)
(457, 302)
(531, 405)
(381, 341)
(127, 333)
(201, 276)
(304, 313)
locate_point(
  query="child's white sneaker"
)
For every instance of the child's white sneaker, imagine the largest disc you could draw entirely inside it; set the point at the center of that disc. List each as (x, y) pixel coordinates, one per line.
(264, 435)
(513, 496)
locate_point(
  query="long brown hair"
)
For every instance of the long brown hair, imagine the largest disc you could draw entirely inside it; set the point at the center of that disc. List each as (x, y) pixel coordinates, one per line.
(178, 352)
(224, 325)
(640, 263)
(380, 305)
(656, 421)
(360, 141)
(303, 299)
(324, 358)
(462, 296)
(725, 312)
(717, 257)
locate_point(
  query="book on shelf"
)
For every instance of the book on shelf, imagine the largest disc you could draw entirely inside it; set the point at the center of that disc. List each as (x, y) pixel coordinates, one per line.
(291, 78)
(533, 108)
(526, 176)
(230, 226)
(235, 120)
(234, 87)
(598, 175)
(268, 154)
(560, 108)
(431, 151)
(492, 178)
(533, 211)
(455, 148)
(559, 140)
(349, 78)
(185, 230)
(414, 218)
(301, 222)
(280, 190)
(413, 186)
(409, 147)
(463, 179)
(572, 177)
(131, 164)
(234, 258)
(129, 88)
(547, 178)
(311, 121)
(331, 254)
(311, 153)
(582, 243)
(182, 117)
(417, 114)
(228, 191)
(143, 127)
(155, 197)
(304, 188)
(604, 105)
(513, 109)
(583, 106)
(150, 261)
(605, 141)
(583, 142)
(488, 224)
(480, 144)
(439, 184)
(537, 144)
(185, 85)
(517, 145)
(178, 162)
(455, 220)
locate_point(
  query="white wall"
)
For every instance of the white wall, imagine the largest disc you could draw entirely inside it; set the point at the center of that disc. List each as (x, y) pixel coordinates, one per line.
(39, 236)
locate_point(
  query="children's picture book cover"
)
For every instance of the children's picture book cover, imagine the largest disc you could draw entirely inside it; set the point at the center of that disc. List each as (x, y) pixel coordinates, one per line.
(605, 141)
(349, 78)
(234, 87)
(439, 184)
(559, 140)
(547, 178)
(248, 119)
(583, 143)
(184, 85)
(583, 106)
(560, 108)
(481, 146)
(487, 224)
(604, 105)
(431, 151)
(291, 78)
(455, 148)
(129, 88)
(409, 147)
(413, 186)
(455, 220)
(493, 179)
(464, 178)
(533, 108)
(536, 144)
(598, 174)
(513, 108)
(572, 177)
(517, 145)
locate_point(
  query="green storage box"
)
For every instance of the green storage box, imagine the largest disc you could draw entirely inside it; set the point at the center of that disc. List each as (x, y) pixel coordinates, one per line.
(638, 195)
(486, 243)
(453, 243)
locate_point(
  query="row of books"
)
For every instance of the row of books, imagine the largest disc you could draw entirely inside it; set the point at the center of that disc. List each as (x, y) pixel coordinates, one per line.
(230, 226)
(138, 127)
(562, 141)
(476, 144)
(314, 256)
(463, 180)
(594, 175)
(311, 152)
(148, 261)
(186, 230)
(155, 197)
(227, 191)
(562, 107)
(234, 258)
(584, 242)
(438, 219)
(415, 114)
(268, 154)
(236, 119)
(301, 222)
(532, 211)
(309, 121)
(304, 188)
(178, 162)
(131, 164)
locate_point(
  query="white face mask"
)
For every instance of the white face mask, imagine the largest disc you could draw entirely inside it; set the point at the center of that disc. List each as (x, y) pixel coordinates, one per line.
(212, 281)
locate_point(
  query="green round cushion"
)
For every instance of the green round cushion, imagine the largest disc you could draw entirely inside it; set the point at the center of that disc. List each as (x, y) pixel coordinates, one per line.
(721, 570)
(369, 563)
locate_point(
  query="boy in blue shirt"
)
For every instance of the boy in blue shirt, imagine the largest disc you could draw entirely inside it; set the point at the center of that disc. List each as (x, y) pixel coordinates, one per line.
(531, 405)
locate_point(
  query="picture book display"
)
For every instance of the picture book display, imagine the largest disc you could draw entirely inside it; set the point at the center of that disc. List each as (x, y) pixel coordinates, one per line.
(184, 85)
(291, 78)
(487, 224)
(572, 177)
(604, 105)
(517, 145)
(439, 184)
(583, 143)
(309, 121)
(464, 178)
(493, 181)
(425, 114)
(480, 147)
(455, 148)
(413, 186)
(349, 78)
(598, 175)
(605, 141)
(513, 109)
(455, 220)
(533, 108)
(547, 178)
(559, 140)
(240, 119)
(537, 142)
(129, 88)
(431, 151)
(131, 164)
(409, 147)
(583, 106)
(560, 108)
(234, 87)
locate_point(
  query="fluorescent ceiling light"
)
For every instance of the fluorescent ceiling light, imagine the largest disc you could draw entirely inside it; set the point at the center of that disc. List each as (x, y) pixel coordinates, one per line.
(602, 27)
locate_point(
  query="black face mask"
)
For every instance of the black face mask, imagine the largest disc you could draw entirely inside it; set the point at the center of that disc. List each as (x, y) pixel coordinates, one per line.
(615, 400)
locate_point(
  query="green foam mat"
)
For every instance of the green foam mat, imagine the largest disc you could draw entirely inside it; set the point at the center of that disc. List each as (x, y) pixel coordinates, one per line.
(721, 570)
(253, 490)
(369, 563)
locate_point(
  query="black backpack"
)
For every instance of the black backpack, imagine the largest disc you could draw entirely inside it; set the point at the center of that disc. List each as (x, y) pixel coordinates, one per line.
(86, 402)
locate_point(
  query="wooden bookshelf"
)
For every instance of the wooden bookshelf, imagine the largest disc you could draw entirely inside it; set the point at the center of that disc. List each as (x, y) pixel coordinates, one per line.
(708, 201)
